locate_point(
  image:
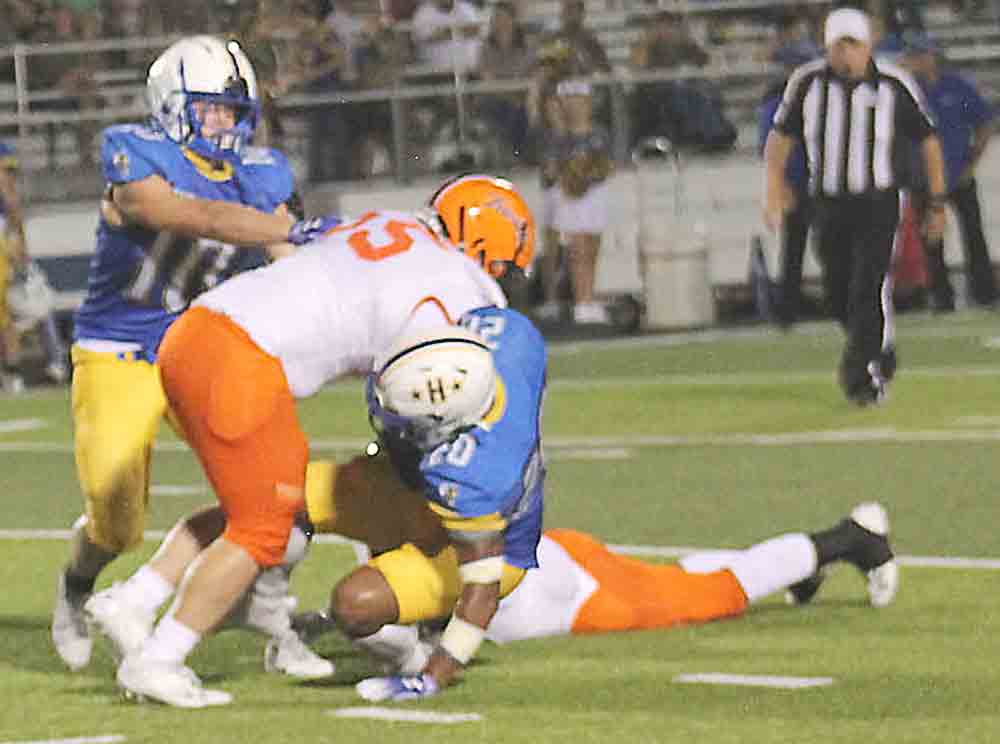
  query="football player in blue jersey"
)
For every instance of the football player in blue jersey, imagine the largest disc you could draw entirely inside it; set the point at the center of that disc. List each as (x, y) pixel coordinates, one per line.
(188, 203)
(459, 413)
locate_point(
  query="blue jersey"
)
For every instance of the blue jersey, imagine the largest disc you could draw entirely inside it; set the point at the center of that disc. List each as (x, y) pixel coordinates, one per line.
(796, 172)
(141, 279)
(496, 468)
(959, 110)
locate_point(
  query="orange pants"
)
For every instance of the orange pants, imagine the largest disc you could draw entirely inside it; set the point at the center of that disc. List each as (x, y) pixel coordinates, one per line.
(634, 595)
(238, 413)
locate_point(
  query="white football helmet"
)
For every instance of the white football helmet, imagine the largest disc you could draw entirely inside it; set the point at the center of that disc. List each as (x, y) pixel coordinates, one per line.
(427, 388)
(203, 68)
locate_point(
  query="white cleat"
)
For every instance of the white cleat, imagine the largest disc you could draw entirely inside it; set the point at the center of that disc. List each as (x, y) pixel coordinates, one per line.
(126, 626)
(883, 583)
(883, 580)
(287, 654)
(171, 684)
(70, 633)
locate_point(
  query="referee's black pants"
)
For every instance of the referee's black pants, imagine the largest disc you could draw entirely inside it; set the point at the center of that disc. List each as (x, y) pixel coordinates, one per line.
(855, 239)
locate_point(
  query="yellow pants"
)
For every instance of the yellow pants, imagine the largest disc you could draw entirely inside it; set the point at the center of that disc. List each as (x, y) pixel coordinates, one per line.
(366, 501)
(6, 274)
(118, 403)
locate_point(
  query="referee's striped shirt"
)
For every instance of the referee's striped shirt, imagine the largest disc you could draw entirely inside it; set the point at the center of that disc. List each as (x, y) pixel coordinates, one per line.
(858, 134)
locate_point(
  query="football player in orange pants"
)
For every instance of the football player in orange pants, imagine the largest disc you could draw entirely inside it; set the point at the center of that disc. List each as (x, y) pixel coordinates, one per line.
(581, 585)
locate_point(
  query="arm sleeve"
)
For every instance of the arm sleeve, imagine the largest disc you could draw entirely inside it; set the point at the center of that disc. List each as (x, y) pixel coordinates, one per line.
(913, 116)
(788, 115)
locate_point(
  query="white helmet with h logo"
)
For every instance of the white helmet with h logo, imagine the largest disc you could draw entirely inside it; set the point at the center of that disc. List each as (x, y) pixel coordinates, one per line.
(427, 388)
(203, 68)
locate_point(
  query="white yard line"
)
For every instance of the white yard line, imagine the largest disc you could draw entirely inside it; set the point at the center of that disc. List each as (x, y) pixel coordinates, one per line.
(405, 715)
(754, 680)
(617, 447)
(110, 739)
(13, 426)
(657, 551)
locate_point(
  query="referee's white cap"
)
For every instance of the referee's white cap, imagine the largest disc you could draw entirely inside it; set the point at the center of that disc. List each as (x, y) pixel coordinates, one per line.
(846, 23)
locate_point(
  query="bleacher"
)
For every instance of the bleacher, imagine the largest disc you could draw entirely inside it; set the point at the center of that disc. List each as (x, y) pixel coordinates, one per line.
(722, 189)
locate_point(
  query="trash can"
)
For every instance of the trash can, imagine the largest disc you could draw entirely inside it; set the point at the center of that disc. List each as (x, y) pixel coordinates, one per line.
(673, 248)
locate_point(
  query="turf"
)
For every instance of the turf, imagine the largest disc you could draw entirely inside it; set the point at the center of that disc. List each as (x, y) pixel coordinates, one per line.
(718, 441)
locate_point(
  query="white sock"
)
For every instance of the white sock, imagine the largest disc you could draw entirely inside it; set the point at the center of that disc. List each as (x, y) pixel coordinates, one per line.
(147, 590)
(171, 642)
(774, 564)
(392, 643)
(707, 561)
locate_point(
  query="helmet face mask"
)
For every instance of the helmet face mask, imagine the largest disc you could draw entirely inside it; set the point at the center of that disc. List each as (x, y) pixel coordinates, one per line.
(428, 389)
(488, 220)
(197, 72)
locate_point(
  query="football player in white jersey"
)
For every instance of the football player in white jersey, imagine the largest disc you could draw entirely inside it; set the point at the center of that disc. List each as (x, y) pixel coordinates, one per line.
(233, 366)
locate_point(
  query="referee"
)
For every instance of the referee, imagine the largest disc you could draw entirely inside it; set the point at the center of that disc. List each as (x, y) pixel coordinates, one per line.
(858, 118)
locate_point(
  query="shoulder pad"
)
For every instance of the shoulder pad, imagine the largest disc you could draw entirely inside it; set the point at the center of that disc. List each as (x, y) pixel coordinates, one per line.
(132, 152)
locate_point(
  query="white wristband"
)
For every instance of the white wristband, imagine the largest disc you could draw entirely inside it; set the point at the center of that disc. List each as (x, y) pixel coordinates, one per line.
(482, 571)
(461, 639)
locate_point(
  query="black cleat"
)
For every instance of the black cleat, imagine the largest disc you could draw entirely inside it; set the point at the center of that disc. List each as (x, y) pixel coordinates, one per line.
(803, 591)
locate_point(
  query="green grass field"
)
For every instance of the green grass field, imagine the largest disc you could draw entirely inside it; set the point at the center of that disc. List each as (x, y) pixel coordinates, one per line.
(717, 441)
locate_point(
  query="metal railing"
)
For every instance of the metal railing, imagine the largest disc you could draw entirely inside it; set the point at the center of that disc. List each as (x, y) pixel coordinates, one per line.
(121, 91)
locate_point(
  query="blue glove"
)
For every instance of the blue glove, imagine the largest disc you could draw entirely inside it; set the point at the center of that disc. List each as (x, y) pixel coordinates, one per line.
(305, 231)
(397, 689)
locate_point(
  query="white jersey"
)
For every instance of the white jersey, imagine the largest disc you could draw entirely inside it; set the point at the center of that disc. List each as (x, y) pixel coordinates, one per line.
(329, 309)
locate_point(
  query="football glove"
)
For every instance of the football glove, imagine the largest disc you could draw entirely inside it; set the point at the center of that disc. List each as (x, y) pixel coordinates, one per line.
(397, 689)
(306, 231)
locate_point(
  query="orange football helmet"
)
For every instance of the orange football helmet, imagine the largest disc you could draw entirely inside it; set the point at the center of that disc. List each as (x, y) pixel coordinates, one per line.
(488, 220)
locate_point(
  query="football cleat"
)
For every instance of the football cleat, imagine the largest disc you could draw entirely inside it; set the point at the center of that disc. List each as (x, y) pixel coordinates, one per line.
(126, 626)
(591, 313)
(289, 655)
(397, 689)
(70, 633)
(875, 558)
(803, 591)
(172, 684)
(548, 312)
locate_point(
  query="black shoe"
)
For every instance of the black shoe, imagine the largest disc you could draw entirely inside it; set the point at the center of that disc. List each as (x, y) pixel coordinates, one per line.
(862, 539)
(802, 592)
(872, 553)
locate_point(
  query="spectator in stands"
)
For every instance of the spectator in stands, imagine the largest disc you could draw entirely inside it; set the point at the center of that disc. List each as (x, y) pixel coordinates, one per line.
(381, 53)
(578, 165)
(446, 34)
(685, 111)
(587, 55)
(20, 19)
(965, 125)
(348, 19)
(312, 63)
(890, 19)
(506, 56)
(794, 40)
(69, 76)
